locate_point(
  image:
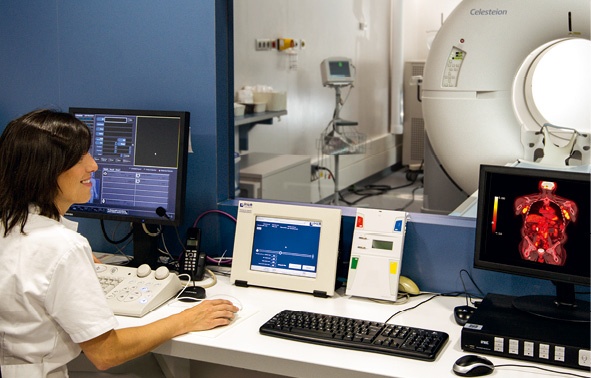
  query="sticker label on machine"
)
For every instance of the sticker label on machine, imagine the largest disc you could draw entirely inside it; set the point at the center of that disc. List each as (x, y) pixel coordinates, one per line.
(376, 254)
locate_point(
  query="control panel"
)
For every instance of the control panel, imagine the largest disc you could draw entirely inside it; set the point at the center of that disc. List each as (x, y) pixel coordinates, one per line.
(498, 328)
(452, 68)
(135, 292)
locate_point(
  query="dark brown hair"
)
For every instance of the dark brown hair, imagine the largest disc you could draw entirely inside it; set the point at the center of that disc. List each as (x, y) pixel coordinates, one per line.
(34, 150)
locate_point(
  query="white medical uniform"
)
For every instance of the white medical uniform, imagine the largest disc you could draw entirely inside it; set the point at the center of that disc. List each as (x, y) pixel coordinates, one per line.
(50, 298)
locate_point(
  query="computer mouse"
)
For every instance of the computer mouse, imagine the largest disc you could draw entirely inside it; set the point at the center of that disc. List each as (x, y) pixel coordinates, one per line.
(230, 298)
(462, 314)
(406, 285)
(192, 293)
(472, 365)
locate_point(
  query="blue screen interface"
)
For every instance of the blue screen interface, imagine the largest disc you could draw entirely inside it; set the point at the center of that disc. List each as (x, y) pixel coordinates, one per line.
(285, 246)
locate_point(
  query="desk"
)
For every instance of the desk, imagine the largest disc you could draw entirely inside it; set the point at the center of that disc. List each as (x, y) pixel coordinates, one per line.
(241, 346)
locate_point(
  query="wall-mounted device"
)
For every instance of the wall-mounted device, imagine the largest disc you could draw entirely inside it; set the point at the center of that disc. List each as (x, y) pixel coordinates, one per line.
(337, 72)
(376, 254)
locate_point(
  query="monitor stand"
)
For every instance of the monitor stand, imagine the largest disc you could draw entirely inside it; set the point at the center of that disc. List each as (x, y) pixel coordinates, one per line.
(145, 247)
(564, 306)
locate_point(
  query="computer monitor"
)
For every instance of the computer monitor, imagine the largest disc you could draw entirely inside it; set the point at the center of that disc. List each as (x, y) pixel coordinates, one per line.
(336, 71)
(286, 246)
(535, 222)
(142, 170)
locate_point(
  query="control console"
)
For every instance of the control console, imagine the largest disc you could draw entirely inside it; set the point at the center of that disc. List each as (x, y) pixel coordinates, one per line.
(137, 291)
(498, 328)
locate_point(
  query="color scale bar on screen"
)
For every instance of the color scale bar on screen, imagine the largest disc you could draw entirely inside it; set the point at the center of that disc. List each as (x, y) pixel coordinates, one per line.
(494, 215)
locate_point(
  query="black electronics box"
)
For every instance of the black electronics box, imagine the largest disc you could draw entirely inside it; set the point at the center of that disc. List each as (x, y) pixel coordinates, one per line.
(497, 328)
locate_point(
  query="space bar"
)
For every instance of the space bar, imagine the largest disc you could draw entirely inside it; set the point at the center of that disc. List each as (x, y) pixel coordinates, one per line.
(312, 333)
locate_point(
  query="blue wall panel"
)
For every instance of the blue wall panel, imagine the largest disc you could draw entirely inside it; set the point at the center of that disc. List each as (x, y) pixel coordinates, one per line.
(118, 54)
(29, 63)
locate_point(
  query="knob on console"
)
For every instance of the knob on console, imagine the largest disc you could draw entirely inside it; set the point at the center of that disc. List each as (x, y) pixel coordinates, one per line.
(143, 270)
(162, 272)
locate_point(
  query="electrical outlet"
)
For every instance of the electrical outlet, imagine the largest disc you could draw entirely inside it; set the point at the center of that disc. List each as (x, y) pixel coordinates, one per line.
(262, 44)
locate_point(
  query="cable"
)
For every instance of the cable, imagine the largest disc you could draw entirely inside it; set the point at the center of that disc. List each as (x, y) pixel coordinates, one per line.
(152, 234)
(214, 279)
(401, 299)
(220, 271)
(468, 295)
(539, 368)
(412, 200)
(178, 296)
(227, 261)
(172, 262)
(377, 190)
(212, 211)
(452, 294)
(114, 241)
(219, 261)
(330, 174)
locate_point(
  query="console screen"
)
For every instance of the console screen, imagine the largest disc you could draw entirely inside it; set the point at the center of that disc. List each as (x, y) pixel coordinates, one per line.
(141, 156)
(286, 246)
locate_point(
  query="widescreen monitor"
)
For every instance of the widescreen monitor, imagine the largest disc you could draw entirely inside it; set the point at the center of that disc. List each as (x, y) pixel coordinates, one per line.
(535, 222)
(142, 169)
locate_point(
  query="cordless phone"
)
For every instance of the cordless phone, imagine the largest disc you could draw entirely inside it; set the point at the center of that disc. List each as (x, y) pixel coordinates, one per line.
(193, 262)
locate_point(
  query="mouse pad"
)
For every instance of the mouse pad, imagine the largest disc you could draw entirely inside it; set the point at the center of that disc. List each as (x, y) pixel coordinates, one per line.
(240, 316)
(174, 307)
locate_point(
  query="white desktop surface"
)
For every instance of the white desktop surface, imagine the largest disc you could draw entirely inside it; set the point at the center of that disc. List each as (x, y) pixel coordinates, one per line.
(240, 345)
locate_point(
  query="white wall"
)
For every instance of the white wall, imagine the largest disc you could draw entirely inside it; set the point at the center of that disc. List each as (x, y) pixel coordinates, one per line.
(422, 20)
(332, 28)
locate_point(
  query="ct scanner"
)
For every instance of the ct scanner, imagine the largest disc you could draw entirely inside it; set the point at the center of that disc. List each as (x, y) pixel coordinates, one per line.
(476, 90)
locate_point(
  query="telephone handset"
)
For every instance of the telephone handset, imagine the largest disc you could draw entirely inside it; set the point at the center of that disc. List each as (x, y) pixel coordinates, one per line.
(406, 285)
(193, 262)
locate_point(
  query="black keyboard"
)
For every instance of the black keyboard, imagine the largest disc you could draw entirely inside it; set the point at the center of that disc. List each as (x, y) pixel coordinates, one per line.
(356, 334)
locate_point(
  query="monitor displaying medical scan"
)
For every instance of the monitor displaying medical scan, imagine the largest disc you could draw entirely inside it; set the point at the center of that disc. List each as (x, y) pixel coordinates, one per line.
(286, 246)
(535, 222)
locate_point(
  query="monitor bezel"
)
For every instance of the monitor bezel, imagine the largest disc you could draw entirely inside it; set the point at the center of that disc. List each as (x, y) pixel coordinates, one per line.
(486, 171)
(328, 76)
(181, 181)
(323, 284)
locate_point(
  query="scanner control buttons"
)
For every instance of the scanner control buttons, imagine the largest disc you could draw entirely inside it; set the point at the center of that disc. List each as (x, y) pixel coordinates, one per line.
(452, 68)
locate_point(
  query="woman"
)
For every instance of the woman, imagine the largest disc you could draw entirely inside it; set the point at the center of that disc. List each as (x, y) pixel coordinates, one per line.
(52, 304)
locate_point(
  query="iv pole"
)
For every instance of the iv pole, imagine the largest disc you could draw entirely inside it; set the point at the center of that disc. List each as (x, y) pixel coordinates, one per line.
(337, 122)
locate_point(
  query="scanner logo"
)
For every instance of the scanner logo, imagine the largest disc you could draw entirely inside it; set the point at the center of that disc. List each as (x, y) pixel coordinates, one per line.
(488, 12)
